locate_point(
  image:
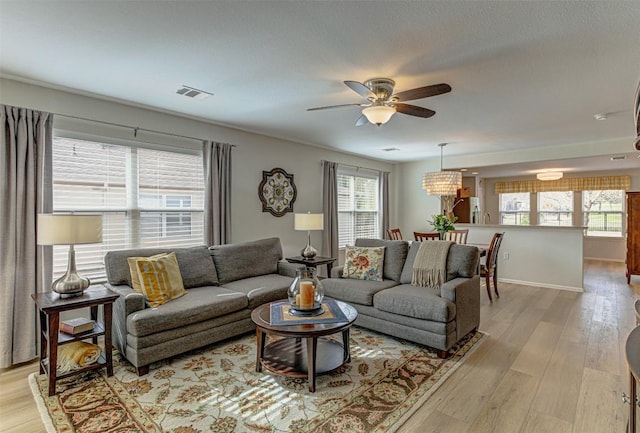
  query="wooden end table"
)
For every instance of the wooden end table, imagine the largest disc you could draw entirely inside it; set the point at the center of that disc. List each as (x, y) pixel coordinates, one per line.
(313, 262)
(286, 356)
(50, 305)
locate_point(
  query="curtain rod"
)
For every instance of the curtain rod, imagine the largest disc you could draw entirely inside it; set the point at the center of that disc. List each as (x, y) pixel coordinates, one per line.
(357, 167)
(135, 128)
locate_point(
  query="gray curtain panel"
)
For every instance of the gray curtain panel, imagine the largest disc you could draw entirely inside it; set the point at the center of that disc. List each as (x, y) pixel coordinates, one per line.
(217, 192)
(384, 202)
(330, 207)
(25, 268)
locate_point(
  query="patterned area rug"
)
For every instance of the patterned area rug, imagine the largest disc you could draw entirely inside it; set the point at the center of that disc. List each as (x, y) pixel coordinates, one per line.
(216, 389)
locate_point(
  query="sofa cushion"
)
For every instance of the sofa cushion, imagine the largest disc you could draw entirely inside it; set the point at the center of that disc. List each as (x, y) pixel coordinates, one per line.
(462, 261)
(246, 259)
(202, 303)
(263, 289)
(354, 291)
(157, 278)
(418, 302)
(196, 265)
(363, 263)
(395, 254)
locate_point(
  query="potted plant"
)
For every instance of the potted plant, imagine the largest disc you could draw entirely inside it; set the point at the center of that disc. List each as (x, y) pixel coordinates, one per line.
(443, 223)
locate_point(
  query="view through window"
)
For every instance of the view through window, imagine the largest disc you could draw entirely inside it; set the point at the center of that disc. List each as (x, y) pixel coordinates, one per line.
(148, 198)
(602, 212)
(555, 208)
(515, 208)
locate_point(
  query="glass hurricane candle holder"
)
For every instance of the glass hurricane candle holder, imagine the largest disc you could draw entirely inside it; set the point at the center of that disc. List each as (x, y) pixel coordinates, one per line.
(306, 293)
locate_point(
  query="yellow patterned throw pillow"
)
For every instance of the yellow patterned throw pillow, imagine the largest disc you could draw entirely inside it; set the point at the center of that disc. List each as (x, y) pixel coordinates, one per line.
(363, 263)
(157, 278)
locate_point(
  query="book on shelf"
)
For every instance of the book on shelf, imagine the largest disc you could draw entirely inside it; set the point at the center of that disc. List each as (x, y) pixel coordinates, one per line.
(77, 326)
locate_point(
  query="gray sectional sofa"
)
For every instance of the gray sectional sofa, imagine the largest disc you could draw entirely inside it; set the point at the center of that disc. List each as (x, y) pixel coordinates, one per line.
(436, 317)
(224, 283)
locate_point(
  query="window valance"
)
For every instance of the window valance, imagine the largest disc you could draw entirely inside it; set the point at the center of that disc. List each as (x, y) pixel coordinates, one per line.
(566, 184)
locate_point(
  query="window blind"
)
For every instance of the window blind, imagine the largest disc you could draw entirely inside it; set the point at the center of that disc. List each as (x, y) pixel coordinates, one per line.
(148, 198)
(358, 208)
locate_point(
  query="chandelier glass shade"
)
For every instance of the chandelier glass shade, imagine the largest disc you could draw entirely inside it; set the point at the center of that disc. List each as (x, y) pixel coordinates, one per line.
(378, 114)
(442, 182)
(549, 175)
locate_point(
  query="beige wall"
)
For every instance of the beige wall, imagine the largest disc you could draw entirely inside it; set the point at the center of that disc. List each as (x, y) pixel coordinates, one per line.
(253, 154)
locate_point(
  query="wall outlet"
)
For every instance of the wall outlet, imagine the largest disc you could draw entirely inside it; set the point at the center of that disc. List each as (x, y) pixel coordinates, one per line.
(505, 256)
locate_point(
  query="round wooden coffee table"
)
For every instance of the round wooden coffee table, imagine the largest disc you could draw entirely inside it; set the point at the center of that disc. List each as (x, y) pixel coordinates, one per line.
(290, 356)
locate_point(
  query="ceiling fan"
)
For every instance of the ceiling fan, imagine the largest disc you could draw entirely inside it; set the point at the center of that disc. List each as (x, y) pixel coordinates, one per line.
(383, 103)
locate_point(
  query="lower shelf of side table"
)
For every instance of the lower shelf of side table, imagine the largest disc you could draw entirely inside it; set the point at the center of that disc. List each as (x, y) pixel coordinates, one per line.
(100, 363)
(288, 357)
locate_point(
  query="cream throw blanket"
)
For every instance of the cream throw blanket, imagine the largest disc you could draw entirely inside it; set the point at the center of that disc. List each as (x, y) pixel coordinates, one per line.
(76, 355)
(430, 265)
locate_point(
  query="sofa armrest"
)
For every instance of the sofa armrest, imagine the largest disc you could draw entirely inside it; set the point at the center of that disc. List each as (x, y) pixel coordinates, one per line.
(465, 293)
(336, 271)
(288, 269)
(129, 302)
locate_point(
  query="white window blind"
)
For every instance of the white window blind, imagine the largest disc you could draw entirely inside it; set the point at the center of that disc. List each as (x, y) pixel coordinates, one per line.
(358, 208)
(148, 198)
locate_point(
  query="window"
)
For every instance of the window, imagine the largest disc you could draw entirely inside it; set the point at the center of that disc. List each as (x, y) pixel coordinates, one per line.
(148, 198)
(515, 208)
(555, 208)
(602, 212)
(357, 208)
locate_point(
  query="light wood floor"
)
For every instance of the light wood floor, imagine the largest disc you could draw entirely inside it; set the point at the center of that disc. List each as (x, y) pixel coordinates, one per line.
(554, 363)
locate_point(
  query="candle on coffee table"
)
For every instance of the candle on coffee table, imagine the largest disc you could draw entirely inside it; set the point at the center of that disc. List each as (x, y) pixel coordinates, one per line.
(307, 294)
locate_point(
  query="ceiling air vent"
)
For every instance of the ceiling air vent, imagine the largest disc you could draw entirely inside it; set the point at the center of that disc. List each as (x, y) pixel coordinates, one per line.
(192, 92)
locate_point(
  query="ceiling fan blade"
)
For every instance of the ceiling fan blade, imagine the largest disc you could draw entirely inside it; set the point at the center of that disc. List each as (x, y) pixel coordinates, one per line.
(422, 92)
(362, 120)
(335, 106)
(414, 110)
(360, 89)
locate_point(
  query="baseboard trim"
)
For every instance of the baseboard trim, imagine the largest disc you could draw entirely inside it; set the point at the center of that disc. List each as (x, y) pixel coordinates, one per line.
(545, 285)
(599, 259)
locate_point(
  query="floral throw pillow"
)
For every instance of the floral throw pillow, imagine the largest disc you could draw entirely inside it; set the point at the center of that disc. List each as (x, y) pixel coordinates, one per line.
(363, 263)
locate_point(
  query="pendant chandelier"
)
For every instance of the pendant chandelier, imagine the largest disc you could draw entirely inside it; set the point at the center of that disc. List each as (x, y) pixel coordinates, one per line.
(442, 183)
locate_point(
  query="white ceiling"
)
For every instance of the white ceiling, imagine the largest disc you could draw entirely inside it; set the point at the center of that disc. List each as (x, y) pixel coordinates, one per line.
(524, 74)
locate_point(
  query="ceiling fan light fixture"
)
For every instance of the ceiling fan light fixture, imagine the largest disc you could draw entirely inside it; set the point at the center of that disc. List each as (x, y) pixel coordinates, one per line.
(550, 175)
(378, 114)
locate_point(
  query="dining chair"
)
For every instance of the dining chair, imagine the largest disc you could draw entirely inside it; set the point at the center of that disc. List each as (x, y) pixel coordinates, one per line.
(431, 236)
(489, 270)
(457, 236)
(395, 234)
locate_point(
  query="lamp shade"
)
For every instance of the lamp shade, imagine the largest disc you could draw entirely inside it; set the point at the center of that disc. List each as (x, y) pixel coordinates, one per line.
(379, 114)
(442, 182)
(309, 221)
(549, 175)
(69, 229)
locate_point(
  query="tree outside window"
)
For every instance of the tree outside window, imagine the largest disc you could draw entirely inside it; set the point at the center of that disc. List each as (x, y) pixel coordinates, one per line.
(602, 211)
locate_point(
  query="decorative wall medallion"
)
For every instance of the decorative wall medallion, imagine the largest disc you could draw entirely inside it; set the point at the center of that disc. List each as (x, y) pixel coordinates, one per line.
(277, 192)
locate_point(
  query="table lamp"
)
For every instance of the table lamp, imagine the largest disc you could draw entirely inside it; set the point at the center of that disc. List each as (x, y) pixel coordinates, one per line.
(308, 221)
(59, 229)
